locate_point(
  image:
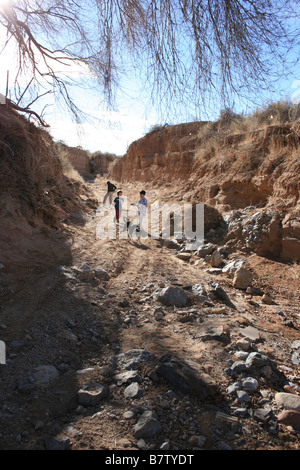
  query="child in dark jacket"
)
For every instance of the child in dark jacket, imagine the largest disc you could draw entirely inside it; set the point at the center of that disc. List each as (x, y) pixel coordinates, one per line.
(118, 205)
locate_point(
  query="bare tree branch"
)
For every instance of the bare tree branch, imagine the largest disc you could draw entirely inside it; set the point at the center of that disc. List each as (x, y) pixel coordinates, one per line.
(183, 51)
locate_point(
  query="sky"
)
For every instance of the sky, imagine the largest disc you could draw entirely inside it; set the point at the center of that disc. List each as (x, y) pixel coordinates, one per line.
(103, 130)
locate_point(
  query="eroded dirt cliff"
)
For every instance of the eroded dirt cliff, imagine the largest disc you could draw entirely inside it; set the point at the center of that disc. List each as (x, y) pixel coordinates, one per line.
(201, 162)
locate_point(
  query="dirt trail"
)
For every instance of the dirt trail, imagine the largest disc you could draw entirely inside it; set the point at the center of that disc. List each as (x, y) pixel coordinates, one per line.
(76, 325)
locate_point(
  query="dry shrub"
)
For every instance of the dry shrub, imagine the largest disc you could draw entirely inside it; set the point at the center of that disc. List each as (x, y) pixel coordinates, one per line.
(279, 121)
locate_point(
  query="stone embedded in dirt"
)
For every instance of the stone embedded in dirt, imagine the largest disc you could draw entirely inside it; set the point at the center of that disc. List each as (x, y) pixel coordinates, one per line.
(147, 426)
(260, 232)
(216, 334)
(263, 414)
(44, 374)
(68, 335)
(244, 344)
(173, 296)
(85, 267)
(197, 441)
(205, 250)
(101, 274)
(127, 377)
(51, 443)
(181, 376)
(172, 244)
(199, 291)
(17, 345)
(251, 333)
(290, 389)
(129, 414)
(131, 359)
(296, 357)
(185, 256)
(267, 299)
(242, 396)
(25, 387)
(231, 267)
(254, 291)
(216, 259)
(84, 273)
(288, 401)
(242, 278)
(92, 394)
(194, 246)
(290, 418)
(256, 359)
(159, 314)
(153, 376)
(218, 293)
(133, 391)
(250, 384)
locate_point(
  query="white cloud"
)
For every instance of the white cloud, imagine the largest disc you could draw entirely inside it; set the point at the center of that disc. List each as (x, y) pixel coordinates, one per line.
(114, 133)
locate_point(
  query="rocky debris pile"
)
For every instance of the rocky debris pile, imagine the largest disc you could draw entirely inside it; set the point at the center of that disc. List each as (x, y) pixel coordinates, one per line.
(265, 232)
(259, 232)
(254, 377)
(169, 400)
(152, 420)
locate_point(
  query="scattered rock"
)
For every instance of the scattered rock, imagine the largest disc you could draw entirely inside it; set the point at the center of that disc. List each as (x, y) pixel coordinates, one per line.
(128, 377)
(45, 374)
(205, 250)
(296, 357)
(254, 291)
(128, 414)
(216, 334)
(242, 278)
(197, 441)
(244, 344)
(251, 333)
(25, 387)
(242, 396)
(262, 414)
(51, 443)
(250, 384)
(147, 426)
(267, 299)
(173, 296)
(218, 293)
(184, 256)
(159, 314)
(101, 274)
(290, 418)
(256, 359)
(171, 243)
(288, 401)
(92, 394)
(231, 267)
(131, 359)
(133, 391)
(216, 259)
(183, 377)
